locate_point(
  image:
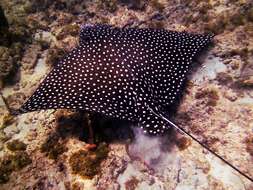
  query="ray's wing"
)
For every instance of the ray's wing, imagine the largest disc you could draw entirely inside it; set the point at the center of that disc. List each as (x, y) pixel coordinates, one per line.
(56, 89)
(177, 63)
(68, 84)
(93, 77)
(170, 55)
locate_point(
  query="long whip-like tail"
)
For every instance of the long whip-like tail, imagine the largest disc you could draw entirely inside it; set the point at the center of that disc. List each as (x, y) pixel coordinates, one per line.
(180, 129)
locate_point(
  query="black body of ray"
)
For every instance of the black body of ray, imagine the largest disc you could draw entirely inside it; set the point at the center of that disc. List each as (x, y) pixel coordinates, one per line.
(121, 73)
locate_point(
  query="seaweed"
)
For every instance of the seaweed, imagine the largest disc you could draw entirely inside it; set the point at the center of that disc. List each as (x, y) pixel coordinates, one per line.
(52, 147)
(43, 44)
(132, 183)
(235, 64)
(16, 145)
(70, 29)
(246, 82)
(14, 36)
(157, 5)
(250, 14)
(7, 120)
(156, 24)
(4, 23)
(210, 95)
(3, 136)
(54, 55)
(248, 29)
(87, 163)
(77, 186)
(6, 62)
(249, 144)
(231, 19)
(11, 163)
(4, 28)
(242, 52)
(108, 5)
(224, 78)
(134, 4)
(210, 141)
(215, 27)
(183, 143)
(15, 26)
(10, 58)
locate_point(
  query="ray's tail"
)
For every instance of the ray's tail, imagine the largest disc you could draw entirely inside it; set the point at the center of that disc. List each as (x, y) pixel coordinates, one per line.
(181, 130)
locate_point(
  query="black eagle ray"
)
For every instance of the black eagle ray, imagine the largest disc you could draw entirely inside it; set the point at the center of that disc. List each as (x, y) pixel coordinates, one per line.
(121, 73)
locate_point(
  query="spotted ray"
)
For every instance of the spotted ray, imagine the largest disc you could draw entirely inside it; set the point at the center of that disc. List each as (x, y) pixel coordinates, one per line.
(122, 73)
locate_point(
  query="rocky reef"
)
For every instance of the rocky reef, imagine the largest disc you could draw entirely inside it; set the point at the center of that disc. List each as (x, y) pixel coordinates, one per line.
(49, 150)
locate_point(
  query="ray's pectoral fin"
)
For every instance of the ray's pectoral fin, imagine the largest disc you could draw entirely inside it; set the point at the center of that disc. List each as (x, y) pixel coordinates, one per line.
(151, 123)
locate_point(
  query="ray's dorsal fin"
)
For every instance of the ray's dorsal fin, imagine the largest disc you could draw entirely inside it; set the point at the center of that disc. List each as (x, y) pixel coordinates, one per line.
(181, 130)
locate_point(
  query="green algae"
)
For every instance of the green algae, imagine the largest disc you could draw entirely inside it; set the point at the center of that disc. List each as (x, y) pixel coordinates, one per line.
(183, 143)
(11, 163)
(217, 22)
(248, 29)
(229, 20)
(210, 95)
(53, 148)
(245, 82)
(70, 29)
(107, 5)
(16, 15)
(3, 136)
(54, 55)
(224, 78)
(87, 163)
(15, 161)
(4, 27)
(9, 61)
(249, 144)
(7, 120)
(157, 5)
(156, 24)
(134, 4)
(4, 22)
(16, 145)
(6, 62)
(14, 38)
(132, 183)
(44, 44)
(215, 26)
(77, 186)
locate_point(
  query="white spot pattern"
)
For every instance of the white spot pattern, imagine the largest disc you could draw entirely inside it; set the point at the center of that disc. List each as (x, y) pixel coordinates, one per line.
(120, 73)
